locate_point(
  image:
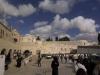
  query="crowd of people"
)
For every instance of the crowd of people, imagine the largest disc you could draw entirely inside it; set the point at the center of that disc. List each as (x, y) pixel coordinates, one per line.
(87, 64)
(16, 55)
(83, 65)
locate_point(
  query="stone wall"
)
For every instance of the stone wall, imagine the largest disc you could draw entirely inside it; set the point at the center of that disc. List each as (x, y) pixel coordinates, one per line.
(51, 47)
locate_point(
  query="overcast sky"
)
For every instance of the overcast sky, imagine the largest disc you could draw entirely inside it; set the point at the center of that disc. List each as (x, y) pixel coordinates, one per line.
(77, 19)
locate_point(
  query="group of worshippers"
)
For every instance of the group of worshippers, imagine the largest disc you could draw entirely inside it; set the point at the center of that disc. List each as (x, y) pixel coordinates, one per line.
(83, 66)
(86, 66)
(12, 55)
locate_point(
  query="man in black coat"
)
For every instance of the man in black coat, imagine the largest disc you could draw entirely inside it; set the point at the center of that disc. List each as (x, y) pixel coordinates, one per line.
(54, 66)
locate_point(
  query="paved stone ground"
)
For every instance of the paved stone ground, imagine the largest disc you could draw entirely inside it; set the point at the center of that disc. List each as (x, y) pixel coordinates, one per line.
(32, 69)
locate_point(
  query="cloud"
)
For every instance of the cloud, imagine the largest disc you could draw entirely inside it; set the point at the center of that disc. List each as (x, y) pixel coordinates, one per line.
(4, 21)
(40, 23)
(25, 10)
(58, 6)
(87, 36)
(97, 26)
(59, 26)
(21, 10)
(21, 21)
(61, 23)
(42, 31)
(63, 35)
(84, 24)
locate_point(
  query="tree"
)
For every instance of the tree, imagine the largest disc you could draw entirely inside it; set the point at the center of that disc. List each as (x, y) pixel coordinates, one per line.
(49, 39)
(56, 39)
(64, 39)
(38, 38)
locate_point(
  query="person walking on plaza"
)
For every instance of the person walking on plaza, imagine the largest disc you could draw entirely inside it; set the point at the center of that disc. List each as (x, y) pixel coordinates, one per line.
(54, 66)
(61, 58)
(65, 57)
(18, 53)
(79, 65)
(39, 61)
(14, 54)
(89, 64)
(8, 59)
(19, 61)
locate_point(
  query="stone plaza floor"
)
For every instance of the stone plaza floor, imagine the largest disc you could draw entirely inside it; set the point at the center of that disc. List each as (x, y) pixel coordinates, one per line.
(32, 69)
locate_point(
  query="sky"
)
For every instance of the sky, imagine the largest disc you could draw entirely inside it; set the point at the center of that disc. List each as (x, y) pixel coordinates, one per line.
(77, 19)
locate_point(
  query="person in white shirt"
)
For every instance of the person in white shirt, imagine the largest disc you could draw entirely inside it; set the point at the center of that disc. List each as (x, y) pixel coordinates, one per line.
(78, 65)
